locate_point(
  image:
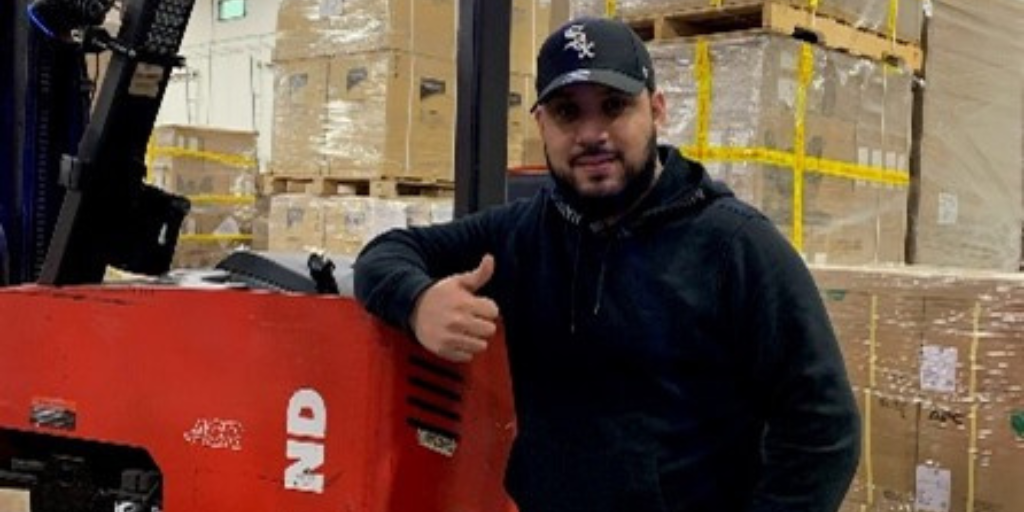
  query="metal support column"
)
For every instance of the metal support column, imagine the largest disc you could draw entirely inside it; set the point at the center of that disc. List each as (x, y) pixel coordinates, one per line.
(481, 136)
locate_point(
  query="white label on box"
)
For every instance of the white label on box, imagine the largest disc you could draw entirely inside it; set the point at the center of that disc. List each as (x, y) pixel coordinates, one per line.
(890, 160)
(938, 368)
(442, 212)
(876, 158)
(949, 209)
(934, 489)
(863, 155)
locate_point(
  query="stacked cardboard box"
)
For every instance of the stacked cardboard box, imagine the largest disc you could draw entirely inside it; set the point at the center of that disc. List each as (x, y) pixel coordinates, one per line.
(295, 222)
(216, 169)
(351, 222)
(937, 358)
(871, 15)
(343, 225)
(970, 211)
(365, 89)
(856, 112)
(200, 160)
(532, 22)
(323, 28)
(524, 144)
(367, 115)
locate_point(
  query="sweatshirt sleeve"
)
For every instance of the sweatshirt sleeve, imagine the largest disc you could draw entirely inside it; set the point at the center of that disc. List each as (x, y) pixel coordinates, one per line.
(396, 267)
(812, 434)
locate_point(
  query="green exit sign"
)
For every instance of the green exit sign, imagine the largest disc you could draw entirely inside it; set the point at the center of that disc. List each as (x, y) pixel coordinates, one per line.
(230, 9)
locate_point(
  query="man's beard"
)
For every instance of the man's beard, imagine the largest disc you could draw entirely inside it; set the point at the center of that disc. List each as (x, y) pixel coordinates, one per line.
(637, 182)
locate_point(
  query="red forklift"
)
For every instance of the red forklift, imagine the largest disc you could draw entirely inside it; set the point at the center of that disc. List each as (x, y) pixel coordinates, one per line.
(257, 385)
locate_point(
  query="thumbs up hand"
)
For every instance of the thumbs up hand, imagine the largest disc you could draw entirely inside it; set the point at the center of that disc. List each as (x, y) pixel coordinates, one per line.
(451, 321)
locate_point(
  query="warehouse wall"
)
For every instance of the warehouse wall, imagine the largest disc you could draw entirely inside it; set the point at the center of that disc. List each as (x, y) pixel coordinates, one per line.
(228, 80)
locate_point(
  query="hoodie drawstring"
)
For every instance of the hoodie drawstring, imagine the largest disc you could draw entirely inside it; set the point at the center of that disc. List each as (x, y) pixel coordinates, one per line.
(600, 276)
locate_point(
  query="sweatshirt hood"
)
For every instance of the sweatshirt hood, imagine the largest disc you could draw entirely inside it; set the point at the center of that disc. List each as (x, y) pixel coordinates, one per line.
(683, 187)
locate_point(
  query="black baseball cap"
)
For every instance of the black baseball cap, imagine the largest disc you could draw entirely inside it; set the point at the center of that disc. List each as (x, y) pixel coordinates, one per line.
(593, 50)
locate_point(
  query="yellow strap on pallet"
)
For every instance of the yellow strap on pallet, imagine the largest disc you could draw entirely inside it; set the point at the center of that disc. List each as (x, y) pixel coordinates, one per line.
(805, 72)
(972, 451)
(797, 160)
(759, 155)
(222, 199)
(208, 238)
(703, 75)
(149, 159)
(778, 158)
(716, 3)
(894, 10)
(611, 8)
(241, 162)
(851, 171)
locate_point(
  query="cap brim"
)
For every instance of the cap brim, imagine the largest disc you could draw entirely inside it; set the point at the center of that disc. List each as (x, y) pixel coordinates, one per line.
(608, 78)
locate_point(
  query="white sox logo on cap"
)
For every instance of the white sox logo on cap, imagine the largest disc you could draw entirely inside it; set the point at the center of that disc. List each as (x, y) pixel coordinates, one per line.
(578, 41)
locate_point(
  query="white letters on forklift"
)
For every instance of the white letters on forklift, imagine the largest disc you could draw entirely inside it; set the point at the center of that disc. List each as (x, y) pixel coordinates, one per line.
(307, 425)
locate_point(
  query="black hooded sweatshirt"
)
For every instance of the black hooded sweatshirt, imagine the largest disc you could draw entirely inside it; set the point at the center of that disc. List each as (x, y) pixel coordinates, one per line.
(679, 360)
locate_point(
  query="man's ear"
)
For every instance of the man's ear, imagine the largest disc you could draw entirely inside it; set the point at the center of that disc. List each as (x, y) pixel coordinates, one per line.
(658, 108)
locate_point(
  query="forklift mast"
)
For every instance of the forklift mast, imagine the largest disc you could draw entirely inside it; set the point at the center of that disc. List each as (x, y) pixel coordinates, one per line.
(44, 111)
(109, 215)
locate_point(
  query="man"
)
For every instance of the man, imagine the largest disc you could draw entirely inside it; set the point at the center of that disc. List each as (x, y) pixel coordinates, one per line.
(669, 350)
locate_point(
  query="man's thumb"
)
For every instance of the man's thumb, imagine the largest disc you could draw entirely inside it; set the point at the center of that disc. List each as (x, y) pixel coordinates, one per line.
(479, 277)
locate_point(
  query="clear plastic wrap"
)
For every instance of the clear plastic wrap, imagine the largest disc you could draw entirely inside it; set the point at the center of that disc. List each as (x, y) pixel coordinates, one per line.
(300, 115)
(369, 115)
(937, 360)
(345, 224)
(216, 169)
(970, 210)
(901, 19)
(316, 28)
(200, 160)
(424, 211)
(295, 222)
(212, 231)
(855, 118)
(351, 222)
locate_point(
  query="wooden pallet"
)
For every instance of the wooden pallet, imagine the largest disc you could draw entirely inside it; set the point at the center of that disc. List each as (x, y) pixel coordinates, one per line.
(781, 18)
(376, 187)
(398, 187)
